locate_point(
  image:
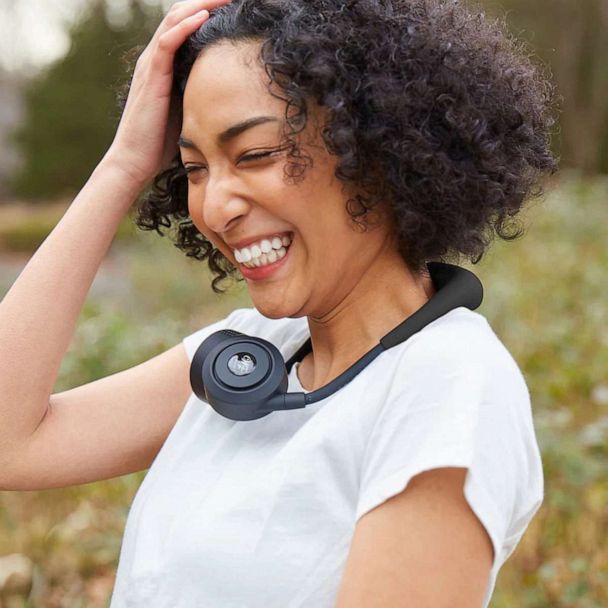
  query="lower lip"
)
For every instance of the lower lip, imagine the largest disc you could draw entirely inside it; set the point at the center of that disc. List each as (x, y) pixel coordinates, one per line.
(263, 272)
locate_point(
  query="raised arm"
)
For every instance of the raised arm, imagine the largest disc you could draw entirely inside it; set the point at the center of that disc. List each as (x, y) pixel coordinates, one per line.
(39, 313)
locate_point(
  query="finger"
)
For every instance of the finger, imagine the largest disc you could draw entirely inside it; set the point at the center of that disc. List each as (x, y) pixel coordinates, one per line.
(177, 12)
(185, 9)
(172, 39)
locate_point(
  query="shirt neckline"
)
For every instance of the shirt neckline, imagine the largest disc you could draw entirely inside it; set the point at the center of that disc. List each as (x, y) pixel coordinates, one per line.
(295, 378)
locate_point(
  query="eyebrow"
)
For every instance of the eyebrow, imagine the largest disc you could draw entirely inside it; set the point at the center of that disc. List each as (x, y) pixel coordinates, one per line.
(231, 132)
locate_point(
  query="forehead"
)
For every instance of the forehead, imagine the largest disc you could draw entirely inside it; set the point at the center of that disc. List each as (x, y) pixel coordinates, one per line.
(226, 85)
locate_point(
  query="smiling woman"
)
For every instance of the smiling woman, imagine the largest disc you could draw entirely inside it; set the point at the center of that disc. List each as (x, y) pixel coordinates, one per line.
(328, 152)
(334, 155)
(238, 198)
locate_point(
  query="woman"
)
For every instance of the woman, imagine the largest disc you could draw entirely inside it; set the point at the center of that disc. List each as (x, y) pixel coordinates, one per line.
(326, 152)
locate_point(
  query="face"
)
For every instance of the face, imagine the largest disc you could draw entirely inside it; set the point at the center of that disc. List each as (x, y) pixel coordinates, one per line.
(238, 197)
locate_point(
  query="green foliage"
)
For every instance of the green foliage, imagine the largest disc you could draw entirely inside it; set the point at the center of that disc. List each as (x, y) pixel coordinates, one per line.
(70, 108)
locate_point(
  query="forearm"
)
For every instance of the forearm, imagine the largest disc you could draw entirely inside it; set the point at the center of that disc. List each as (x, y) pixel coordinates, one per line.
(39, 313)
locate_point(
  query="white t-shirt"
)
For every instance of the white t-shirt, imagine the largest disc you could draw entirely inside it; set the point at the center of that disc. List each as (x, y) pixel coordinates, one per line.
(261, 513)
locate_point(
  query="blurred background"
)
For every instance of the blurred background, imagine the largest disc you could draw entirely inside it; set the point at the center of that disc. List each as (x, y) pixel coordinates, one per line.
(61, 64)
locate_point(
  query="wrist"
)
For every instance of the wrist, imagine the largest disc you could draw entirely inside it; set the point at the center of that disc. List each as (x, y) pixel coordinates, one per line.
(119, 189)
(115, 165)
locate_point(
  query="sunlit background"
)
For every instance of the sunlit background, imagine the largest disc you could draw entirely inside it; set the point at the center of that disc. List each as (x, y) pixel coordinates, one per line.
(61, 66)
(36, 33)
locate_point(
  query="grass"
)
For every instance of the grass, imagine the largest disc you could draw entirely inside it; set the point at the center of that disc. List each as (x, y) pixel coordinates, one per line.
(544, 298)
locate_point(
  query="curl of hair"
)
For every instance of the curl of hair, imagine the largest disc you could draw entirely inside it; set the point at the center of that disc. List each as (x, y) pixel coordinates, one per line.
(434, 108)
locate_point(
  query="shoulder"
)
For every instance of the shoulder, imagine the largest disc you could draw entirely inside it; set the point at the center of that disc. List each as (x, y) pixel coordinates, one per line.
(457, 333)
(457, 374)
(461, 347)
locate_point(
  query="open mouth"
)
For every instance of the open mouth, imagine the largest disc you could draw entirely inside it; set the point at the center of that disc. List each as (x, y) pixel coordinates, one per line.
(265, 252)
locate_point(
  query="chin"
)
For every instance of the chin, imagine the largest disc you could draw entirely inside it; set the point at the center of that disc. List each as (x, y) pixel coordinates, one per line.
(276, 309)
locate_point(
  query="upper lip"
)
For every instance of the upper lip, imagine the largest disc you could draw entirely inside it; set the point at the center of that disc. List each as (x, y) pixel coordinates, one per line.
(256, 239)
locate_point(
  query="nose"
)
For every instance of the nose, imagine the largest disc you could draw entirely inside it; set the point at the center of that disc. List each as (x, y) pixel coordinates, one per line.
(222, 204)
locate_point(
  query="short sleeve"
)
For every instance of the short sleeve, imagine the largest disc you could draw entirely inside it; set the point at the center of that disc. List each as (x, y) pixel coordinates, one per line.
(453, 410)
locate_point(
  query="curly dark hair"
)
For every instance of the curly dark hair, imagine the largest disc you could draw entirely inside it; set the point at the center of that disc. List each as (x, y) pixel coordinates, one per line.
(433, 108)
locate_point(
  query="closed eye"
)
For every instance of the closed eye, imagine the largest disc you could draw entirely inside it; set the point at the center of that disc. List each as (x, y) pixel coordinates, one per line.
(259, 155)
(192, 168)
(247, 157)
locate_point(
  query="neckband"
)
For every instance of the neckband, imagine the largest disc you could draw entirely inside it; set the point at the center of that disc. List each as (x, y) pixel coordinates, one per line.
(451, 283)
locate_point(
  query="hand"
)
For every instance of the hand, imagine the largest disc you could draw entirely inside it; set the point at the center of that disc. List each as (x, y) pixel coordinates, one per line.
(146, 138)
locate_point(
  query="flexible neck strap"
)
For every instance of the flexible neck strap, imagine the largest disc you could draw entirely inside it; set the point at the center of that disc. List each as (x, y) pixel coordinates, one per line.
(455, 287)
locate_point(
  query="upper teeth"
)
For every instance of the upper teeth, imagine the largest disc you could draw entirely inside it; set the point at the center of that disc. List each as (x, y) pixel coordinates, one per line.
(256, 250)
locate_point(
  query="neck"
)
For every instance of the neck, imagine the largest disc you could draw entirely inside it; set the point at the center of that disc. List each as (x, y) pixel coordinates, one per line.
(362, 317)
